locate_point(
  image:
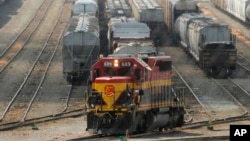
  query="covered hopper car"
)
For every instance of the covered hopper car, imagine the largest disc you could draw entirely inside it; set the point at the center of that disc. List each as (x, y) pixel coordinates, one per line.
(238, 8)
(89, 7)
(209, 42)
(81, 46)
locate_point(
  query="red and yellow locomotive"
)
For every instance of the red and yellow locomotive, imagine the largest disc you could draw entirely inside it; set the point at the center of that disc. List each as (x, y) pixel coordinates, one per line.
(133, 94)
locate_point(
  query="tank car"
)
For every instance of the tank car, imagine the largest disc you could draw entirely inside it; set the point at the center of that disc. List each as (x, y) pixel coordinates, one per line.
(81, 46)
(123, 29)
(238, 8)
(181, 27)
(172, 9)
(133, 93)
(149, 12)
(209, 42)
(89, 7)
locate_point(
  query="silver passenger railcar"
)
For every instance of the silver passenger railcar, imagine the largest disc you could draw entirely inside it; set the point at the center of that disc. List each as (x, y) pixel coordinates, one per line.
(210, 43)
(238, 8)
(89, 7)
(81, 46)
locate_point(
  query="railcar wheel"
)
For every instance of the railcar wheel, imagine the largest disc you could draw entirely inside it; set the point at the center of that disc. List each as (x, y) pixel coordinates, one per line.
(69, 78)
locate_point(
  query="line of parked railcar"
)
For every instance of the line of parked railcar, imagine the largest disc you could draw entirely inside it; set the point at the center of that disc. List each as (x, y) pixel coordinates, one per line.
(149, 12)
(209, 42)
(81, 42)
(238, 8)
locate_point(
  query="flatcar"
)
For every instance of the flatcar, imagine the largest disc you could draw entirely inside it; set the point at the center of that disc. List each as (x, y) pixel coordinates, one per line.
(131, 93)
(209, 42)
(81, 46)
(238, 8)
(89, 7)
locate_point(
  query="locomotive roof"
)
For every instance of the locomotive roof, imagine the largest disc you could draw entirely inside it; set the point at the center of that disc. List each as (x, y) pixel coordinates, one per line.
(129, 56)
(184, 4)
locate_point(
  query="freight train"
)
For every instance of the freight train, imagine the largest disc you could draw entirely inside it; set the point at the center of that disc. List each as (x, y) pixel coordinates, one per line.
(209, 42)
(130, 90)
(238, 8)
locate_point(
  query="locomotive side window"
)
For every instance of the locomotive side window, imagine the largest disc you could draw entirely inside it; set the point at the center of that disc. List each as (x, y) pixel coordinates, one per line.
(96, 73)
(137, 74)
(164, 65)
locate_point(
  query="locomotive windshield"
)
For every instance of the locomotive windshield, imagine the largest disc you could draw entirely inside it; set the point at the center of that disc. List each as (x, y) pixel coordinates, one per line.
(117, 72)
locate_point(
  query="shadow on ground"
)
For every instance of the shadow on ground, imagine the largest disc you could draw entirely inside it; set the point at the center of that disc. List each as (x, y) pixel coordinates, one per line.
(8, 9)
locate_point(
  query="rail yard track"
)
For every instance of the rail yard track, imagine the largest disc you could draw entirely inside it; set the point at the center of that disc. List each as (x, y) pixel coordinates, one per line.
(204, 96)
(30, 88)
(154, 136)
(14, 48)
(243, 62)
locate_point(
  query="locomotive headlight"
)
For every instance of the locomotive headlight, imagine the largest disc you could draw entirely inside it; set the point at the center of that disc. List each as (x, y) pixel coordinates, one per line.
(116, 63)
